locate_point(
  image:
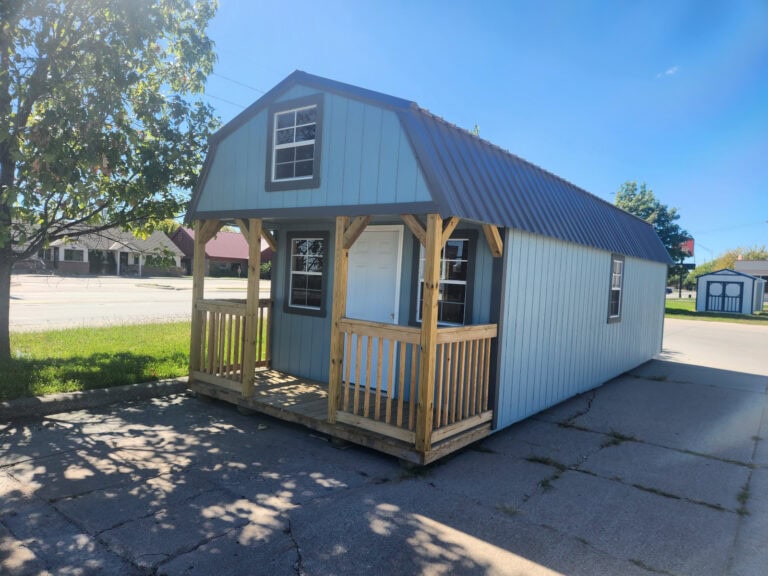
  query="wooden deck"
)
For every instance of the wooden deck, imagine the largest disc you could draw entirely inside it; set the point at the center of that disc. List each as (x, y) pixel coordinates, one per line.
(305, 402)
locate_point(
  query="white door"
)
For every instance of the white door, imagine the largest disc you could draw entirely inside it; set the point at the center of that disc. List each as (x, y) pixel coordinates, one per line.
(373, 291)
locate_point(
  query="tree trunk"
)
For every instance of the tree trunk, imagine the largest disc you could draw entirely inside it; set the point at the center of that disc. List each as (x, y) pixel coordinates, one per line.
(6, 262)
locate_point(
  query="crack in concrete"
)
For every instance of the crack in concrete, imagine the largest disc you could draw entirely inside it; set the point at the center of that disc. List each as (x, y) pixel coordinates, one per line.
(299, 559)
(756, 439)
(590, 396)
(188, 549)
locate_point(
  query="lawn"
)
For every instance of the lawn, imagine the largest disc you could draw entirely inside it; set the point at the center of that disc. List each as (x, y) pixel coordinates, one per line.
(686, 309)
(87, 358)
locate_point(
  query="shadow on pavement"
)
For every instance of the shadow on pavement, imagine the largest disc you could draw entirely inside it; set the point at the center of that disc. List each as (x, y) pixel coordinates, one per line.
(610, 482)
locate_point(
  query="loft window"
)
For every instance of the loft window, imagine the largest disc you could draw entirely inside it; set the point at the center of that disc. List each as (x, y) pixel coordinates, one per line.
(617, 288)
(294, 144)
(306, 274)
(294, 138)
(452, 299)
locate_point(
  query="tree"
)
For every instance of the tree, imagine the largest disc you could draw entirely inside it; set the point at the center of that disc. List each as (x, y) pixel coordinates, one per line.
(641, 201)
(727, 260)
(100, 124)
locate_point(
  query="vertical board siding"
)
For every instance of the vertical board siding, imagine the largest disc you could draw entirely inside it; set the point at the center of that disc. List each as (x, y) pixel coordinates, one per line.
(300, 343)
(366, 159)
(555, 340)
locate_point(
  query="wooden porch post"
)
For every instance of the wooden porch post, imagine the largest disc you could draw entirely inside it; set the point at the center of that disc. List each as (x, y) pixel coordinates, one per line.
(252, 305)
(339, 310)
(429, 333)
(198, 290)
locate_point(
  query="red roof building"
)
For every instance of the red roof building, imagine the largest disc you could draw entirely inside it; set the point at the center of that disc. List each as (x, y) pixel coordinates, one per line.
(225, 255)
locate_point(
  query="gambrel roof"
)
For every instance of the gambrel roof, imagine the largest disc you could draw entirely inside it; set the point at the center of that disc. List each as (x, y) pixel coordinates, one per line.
(474, 179)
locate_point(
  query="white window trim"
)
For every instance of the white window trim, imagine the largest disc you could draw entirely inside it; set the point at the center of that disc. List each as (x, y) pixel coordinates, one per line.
(294, 144)
(465, 283)
(293, 272)
(620, 289)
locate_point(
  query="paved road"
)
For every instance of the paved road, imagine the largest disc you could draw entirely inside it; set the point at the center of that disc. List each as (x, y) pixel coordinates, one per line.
(43, 302)
(662, 471)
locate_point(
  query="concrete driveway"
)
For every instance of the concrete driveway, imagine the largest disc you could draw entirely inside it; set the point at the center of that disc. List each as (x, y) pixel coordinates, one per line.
(662, 471)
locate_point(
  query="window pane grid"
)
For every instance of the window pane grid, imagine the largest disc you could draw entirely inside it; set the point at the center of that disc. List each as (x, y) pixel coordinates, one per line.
(294, 144)
(617, 277)
(451, 298)
(306, 277)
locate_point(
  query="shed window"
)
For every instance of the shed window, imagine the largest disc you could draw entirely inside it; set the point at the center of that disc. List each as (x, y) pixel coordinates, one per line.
(306, 274)
(454, 272)
(294, 145)
(617, 288)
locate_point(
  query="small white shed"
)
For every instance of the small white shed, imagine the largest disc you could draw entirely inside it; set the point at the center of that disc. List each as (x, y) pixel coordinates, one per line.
(729, 291)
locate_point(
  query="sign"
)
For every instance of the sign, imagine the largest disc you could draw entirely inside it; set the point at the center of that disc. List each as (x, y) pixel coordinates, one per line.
(687, 247)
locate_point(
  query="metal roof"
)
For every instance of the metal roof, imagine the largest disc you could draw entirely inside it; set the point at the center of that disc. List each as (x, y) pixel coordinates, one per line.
(473, 179)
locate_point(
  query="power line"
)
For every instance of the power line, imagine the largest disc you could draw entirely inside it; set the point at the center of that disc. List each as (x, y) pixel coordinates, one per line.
(238, 82)
(225, 100)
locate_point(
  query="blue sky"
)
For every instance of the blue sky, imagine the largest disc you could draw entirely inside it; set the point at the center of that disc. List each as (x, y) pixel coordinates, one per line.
(673, 93)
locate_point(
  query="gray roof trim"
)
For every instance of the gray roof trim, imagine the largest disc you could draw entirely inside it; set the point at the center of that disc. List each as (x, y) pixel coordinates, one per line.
(321, 211)
(312, 81)
(731, 272)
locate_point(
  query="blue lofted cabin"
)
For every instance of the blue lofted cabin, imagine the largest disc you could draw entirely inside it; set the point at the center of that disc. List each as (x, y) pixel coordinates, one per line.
(428, 287)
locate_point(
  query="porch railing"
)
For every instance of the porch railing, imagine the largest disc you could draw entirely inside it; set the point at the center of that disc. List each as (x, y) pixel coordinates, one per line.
(380, 378)
(222, 340)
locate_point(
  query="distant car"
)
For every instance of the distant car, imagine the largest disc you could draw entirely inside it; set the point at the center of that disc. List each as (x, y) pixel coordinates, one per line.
(669, 290)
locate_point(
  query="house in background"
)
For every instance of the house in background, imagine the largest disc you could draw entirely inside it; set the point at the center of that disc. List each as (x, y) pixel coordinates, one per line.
(428, 288)
(729, 291)
(114, 252)
(226, 254)
(758, 268)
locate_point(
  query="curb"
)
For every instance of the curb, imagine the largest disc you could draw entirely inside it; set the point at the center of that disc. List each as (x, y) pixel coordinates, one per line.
(68, 401)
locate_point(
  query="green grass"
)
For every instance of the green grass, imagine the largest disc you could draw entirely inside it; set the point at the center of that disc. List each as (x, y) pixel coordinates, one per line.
(87, 358)
(686, 308)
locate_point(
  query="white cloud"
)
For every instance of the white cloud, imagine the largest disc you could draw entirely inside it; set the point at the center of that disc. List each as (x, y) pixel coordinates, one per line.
(669, 72)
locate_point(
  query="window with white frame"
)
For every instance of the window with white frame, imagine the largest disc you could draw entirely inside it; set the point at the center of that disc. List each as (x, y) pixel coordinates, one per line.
(617, 288)
(307, 267)
(454, 274)
(294, 143)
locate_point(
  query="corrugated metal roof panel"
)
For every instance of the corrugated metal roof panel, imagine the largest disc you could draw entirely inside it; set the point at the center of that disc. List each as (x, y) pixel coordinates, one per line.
(472, 178)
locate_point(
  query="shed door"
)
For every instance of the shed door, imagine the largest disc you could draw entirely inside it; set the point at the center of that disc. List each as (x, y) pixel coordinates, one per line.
(724, 296)
(373, 290)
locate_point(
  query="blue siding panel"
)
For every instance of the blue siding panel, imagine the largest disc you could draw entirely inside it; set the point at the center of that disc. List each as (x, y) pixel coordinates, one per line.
(332, 171)
(297, 349)
(353, 158)
(366, 161)
(369, 164)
